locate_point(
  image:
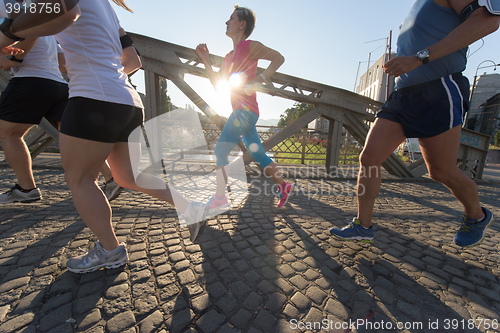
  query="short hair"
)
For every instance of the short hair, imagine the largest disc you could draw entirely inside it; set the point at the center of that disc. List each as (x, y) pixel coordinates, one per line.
(247, 15)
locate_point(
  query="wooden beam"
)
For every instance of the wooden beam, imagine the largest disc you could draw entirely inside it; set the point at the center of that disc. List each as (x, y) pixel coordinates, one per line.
(152, 82)
(333, 143)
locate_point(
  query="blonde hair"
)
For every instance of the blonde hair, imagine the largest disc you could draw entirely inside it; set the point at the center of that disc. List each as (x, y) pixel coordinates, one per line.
(122, 4)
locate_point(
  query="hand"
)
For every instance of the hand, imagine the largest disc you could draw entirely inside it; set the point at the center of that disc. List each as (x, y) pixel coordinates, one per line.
(202, 51)
(10, 50)
(401, 65)
(6, 64)
(6, 46)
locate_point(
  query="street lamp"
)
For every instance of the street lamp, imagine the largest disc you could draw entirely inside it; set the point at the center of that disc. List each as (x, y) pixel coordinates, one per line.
(475, 75)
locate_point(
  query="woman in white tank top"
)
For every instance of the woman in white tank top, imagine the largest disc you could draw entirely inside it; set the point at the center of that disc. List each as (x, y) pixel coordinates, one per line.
(102, 111)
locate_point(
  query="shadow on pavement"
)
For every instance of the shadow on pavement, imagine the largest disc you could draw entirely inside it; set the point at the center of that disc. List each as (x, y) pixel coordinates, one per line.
(275, 270)
(255, 269)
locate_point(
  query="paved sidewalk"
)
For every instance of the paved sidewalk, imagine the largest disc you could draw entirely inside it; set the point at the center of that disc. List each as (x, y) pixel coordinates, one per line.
(256, 268)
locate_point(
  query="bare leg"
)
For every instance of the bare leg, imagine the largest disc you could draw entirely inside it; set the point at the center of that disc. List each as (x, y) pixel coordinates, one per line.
(272, 171)
(221, 177)
(106, 172)
(82, 160)
(440, 153)
(221, 180)
(17, 153)
(121, 167)
(383, 138)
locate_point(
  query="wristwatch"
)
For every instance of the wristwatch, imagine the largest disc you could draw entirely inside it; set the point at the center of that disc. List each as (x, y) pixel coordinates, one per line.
(13, 58)
(5, 24)
(423, 55)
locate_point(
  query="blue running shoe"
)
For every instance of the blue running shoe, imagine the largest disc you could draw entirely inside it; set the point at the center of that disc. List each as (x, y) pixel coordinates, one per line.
(472, 231)
(354, 231)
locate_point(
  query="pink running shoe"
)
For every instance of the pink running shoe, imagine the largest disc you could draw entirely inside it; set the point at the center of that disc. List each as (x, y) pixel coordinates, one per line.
(285, 194)
(214, 203)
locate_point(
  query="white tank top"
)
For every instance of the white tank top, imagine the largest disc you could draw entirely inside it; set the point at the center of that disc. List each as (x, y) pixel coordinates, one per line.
(93, 54)
(41, 61)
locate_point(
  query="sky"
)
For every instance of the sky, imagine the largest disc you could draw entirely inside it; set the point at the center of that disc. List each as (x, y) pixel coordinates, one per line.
(322, 40)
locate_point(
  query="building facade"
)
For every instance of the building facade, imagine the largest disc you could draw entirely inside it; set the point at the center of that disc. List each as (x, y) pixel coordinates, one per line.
(483, 116)
(373, 83)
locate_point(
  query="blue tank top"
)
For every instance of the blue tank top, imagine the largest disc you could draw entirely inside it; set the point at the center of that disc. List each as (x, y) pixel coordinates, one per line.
(426, 24)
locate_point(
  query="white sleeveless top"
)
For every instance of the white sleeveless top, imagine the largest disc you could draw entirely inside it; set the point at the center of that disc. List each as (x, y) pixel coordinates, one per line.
(93, 54)
(41, 61)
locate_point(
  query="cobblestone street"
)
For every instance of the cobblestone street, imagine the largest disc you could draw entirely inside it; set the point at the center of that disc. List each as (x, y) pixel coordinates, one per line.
(256, 268)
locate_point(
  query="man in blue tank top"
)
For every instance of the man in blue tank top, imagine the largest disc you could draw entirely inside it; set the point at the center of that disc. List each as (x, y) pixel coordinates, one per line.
(429, 103)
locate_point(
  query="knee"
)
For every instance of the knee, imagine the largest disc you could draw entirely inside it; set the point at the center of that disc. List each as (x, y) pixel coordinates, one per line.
(75, 180)
(218, 150)
(261, 158)
(9, 135)
(221, 154)
(12, 131)
(124, 180)
(441, 175)
(369, 158)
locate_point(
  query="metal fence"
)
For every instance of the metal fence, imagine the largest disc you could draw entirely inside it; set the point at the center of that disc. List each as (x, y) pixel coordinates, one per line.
(305, 147)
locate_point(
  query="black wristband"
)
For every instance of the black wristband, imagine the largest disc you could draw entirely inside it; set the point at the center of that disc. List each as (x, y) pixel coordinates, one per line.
(126, 41)
(13, 58)
(5, 27)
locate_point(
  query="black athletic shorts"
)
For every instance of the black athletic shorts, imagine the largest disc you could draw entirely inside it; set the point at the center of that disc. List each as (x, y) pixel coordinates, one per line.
(100, 121)
(27, 100)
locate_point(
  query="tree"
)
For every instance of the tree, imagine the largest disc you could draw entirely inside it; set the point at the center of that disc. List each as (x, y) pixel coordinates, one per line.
(497, 139)
(165, 103)
(294, 113)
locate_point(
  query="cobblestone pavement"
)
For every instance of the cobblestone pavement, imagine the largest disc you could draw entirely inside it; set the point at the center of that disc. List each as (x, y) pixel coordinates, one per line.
(256, 268)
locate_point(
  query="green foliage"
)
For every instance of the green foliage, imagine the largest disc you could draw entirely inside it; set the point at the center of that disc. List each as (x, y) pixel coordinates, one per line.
(497, 139)
(165, 103)
(294, 113)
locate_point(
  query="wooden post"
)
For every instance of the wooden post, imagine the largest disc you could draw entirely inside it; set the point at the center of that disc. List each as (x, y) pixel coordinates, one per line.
(333, 144)
(152, 107)
(152, 82)
(304, 143)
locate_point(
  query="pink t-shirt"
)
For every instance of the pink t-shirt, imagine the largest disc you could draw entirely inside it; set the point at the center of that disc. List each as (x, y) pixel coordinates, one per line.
(243, 65)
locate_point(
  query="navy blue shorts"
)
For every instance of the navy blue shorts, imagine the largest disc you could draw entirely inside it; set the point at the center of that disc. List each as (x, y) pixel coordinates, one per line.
(429, 109)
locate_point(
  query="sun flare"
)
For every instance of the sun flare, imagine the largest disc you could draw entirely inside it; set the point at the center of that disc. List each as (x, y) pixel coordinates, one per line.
(223, 87)
(235, 80)
(221, 100)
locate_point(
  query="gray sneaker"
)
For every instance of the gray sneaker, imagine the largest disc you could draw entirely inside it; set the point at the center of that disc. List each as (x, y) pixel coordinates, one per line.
(195, 216)
(15, 194)
(112, 190)
(96, 258)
